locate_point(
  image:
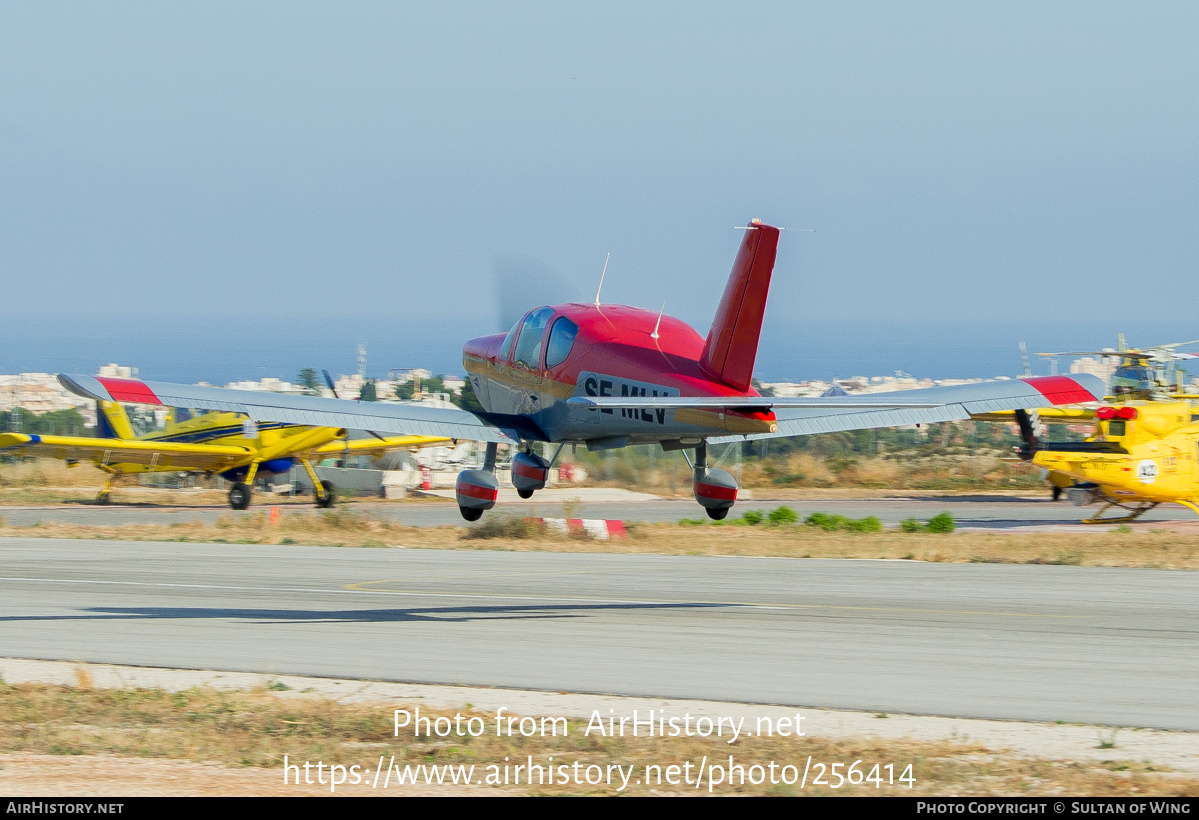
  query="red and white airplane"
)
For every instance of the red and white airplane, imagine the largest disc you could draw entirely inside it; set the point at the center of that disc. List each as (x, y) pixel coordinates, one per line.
(607, 376)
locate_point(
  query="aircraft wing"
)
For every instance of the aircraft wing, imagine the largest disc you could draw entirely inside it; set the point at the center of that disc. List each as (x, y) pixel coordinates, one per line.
(377, 446)
(100, 451)
(315, 411)
(928, 405)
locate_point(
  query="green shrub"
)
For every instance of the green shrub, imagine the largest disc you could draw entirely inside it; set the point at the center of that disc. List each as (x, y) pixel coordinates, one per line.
(867, 524)
(826, 522)
(832, 523)
(911, 525)
(783, 515)
(941, 523)
(752, 517)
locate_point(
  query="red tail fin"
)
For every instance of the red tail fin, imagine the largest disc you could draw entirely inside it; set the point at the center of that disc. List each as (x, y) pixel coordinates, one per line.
(732, 343)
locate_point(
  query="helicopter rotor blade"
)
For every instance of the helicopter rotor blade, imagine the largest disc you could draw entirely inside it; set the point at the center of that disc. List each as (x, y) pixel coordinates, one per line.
(1128, 354)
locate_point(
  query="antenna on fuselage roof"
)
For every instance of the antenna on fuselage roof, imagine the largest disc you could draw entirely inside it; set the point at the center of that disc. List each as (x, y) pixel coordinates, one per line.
(658, 324)
(601, 284)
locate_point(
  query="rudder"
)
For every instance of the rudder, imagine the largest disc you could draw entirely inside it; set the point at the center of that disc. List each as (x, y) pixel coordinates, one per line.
(112, 422)
(732, 345)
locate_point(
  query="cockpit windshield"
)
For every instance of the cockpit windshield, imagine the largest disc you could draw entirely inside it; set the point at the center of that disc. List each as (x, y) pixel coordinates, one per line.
(509, 339)
(1133, 380)
(528, 347)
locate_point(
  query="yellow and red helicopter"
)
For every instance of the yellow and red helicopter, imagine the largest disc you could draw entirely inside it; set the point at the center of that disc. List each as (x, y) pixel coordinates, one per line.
(606, 376)
(227, 444)
(1144, 448)
(1143, 453)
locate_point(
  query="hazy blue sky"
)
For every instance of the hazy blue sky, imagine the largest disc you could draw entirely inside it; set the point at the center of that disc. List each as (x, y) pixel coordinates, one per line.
(255, 186)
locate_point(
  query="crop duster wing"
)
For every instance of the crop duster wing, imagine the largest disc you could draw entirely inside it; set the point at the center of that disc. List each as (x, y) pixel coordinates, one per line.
(377, 446)
(315, 411)
(101, 451)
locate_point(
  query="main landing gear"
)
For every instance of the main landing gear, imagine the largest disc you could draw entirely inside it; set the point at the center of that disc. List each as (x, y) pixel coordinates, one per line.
(239, 496)
(105, 494)
(715, 490)
(476, 490)
(323, 491)
(324, 498)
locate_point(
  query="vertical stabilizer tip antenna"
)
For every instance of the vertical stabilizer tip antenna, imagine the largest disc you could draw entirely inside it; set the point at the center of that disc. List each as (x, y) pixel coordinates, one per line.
(601, 284)
(658, 324)
(755, 221)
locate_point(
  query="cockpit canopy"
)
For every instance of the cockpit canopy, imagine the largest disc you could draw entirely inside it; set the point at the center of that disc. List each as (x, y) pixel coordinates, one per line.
(1134, 381)
(527, 336)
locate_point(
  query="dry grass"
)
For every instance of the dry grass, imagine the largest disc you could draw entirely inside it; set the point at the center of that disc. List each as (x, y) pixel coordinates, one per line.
(1164, 549)
(800, 475)
(256, 729)
(46, 472)
(339, 527)
(964, 471)
(343, 527)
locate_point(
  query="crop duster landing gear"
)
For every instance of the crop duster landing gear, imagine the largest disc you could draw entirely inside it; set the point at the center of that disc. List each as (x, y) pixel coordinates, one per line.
(240, 495)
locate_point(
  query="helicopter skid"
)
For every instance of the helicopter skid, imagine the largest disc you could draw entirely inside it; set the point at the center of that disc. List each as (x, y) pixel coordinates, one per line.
(1134, 513)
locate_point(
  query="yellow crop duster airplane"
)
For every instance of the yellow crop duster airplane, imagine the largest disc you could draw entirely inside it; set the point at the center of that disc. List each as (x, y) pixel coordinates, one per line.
(214, 443)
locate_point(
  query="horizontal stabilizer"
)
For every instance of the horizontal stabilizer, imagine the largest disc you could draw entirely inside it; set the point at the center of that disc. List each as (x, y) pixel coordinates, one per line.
(732, 402)
(1014, 393)
(931, 405)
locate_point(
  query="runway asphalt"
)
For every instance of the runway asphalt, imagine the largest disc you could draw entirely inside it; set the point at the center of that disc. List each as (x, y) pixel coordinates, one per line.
(992, 512)
(1076, 644)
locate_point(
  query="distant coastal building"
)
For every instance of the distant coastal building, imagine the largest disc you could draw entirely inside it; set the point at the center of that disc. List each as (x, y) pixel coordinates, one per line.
(41, 393)
(267, 385)
(116, 371)
(860, 384)
(1103, 367)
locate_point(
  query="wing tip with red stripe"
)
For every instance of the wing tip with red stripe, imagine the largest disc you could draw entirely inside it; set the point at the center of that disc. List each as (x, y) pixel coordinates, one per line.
(1067, 389)
(104, 388)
